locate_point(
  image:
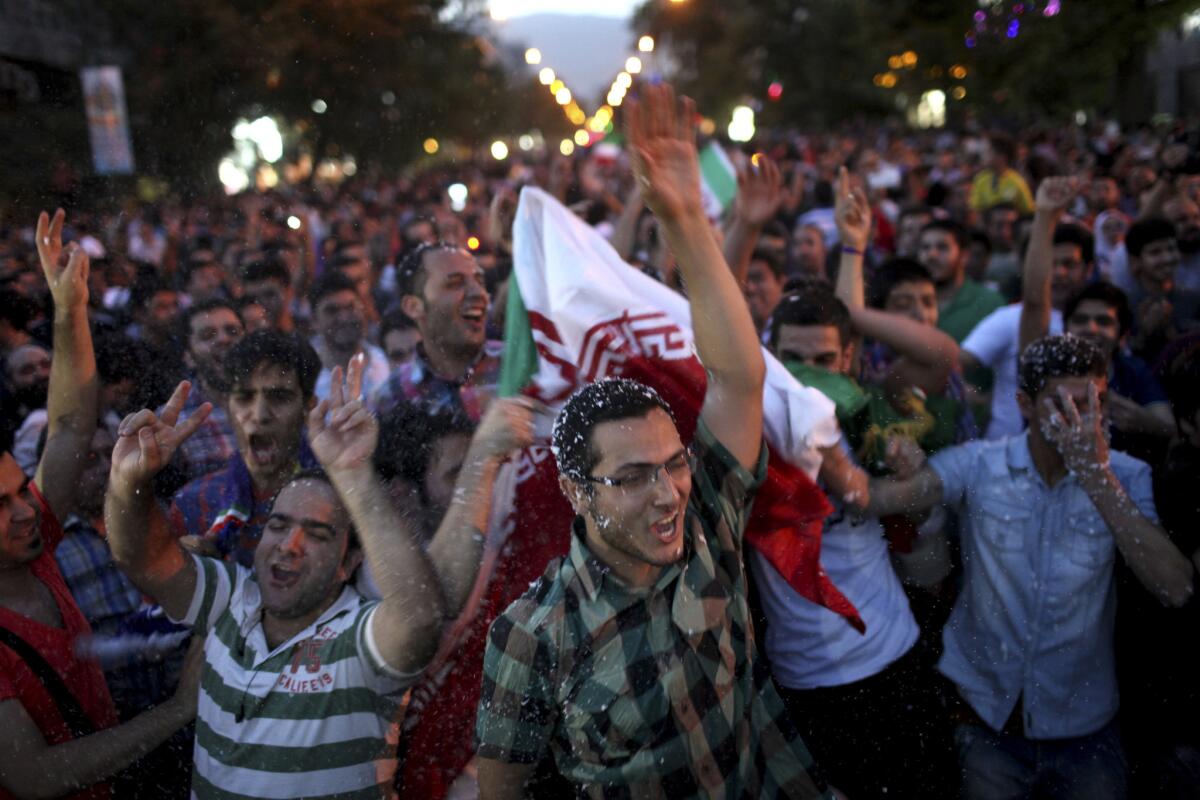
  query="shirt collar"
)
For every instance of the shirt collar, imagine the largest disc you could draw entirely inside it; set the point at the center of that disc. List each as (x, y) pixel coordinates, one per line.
(421, 369)
(1017, 452)
(346, 601)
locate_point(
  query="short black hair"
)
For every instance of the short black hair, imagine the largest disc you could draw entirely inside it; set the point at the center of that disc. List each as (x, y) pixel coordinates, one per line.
(277, 349)
(263, 269)
(1105, 293)
(395, 321)
(16, 308)
(318, 474)
(204, 307)
(119, 358)
(813, 303)
(956, 229)
(772, 258)
(1079, 236)
(891, 274)
(146, 284)
(607, 400)
(331, 282)
(412, 268)
(407, 437)
(1058, 357)
(1004, 145)
(1145, 231)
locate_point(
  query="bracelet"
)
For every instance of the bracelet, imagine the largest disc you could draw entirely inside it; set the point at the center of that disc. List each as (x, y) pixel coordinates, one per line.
(851, 250)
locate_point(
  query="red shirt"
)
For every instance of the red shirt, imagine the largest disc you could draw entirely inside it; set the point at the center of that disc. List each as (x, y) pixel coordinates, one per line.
(56, 645)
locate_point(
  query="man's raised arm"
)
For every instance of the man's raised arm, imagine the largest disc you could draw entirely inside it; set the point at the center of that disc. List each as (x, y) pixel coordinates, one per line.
(408, 622)
(138, 534)
(662, 139)
(1053, 196)
(71, 401)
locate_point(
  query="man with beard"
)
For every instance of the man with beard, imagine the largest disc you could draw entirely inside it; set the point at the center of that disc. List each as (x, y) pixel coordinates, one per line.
(631, 661)
(271, 377)
(1182, 212)
(443, 290)
(211, 328)
(341, 323)
(962, 303)
(1065, 253)
(27, 370)
(60, 733)
(301, 673)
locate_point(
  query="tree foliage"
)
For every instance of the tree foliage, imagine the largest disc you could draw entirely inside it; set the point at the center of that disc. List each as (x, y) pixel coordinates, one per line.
(826, 54)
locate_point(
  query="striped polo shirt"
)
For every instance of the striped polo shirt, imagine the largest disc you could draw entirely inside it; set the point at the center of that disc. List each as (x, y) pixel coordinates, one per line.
(311, 718)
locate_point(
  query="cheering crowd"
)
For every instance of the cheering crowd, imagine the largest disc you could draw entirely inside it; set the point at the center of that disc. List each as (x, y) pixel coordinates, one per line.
(256, 452)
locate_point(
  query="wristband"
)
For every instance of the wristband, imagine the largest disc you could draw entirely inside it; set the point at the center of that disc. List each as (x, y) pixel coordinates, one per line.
(851, 250)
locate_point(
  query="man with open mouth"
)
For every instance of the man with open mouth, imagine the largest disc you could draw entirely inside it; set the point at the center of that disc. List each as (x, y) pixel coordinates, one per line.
(271, 378)
(631, 661)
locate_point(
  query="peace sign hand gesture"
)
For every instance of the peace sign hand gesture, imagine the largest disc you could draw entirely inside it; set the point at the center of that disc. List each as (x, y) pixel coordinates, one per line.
(146, 441)
(67, 278)
(346, 440)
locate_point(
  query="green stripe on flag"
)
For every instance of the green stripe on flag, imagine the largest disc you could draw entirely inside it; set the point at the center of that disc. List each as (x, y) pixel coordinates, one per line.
(716, 170)
(519, 361)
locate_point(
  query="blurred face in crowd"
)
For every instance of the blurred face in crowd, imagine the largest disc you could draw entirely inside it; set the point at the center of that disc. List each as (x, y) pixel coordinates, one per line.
(1097, 322)
(1184, 214)
(419, 232)
(304, 556)
(810, 250)
(341, 320)
(272, 295)
(1154, 269)
(1001, 228)
(763, 289)
(160, 310)
(1113, 229)
(814, 346)
(1103, 194)
(638, 526)
(267, 411)
(452, 310)
(400, 344)
(211, 336)
(20, 520)
(1070, 273)
(916, 300)
(254, 317)
(938, 252)
(360, 273)
(29, 374)
(89, 498)
(206, 282)
(909, 234)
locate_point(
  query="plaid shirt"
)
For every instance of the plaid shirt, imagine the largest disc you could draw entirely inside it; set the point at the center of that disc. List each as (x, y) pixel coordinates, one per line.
(108, 599)
(647, 693)
(416, 382)
(212, 445)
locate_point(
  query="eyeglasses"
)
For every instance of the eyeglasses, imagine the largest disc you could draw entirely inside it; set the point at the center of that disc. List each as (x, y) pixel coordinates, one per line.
(641, 478)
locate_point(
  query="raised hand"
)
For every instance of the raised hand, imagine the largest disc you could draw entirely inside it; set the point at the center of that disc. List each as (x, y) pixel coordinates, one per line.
(852, 212)
(1079, 438)
(903, 457)
(67, 277)
(1055, 194)
(346, 440)
(759, 193)
(507, 426)
(662, 141)
(146, 441)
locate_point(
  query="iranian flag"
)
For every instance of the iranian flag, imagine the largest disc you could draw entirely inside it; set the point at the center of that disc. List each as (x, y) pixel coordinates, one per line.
(577, 313)
(718, 180)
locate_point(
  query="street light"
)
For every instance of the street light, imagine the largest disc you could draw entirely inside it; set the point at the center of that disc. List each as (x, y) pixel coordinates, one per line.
(646, 44)
(633, 65)
(499, 150)
(546, 76)
(533, 56)
(562, 96)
